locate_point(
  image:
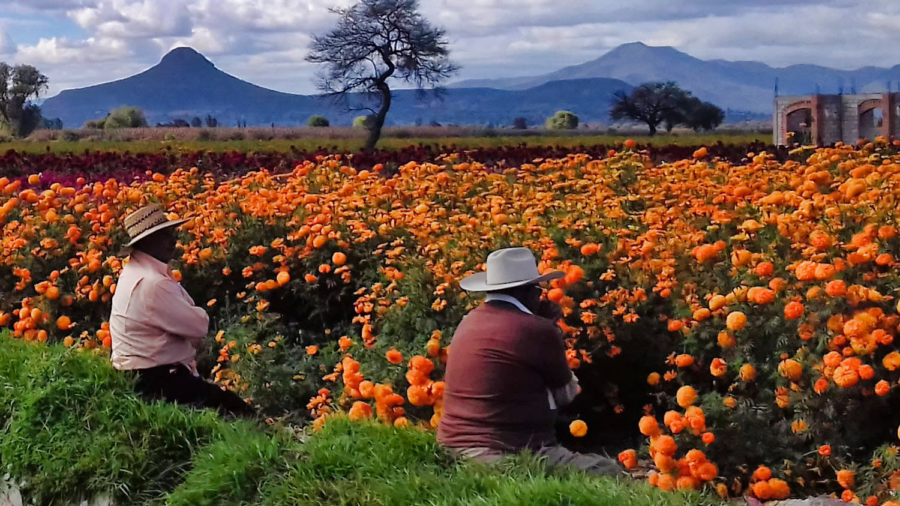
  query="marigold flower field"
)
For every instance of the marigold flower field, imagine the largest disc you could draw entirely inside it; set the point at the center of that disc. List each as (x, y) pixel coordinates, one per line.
(757, 299)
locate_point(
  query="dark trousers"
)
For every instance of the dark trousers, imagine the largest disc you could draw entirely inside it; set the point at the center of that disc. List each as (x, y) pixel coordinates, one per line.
(175, 383)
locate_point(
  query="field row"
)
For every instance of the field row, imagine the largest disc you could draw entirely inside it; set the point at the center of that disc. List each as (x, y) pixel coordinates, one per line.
(740, 315)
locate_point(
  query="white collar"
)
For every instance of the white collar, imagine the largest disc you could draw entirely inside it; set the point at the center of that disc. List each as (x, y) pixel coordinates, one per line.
(150, 262)
(507, 298)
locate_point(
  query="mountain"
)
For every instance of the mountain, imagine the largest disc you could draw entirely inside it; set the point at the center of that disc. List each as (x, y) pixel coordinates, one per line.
(747, 86)
(185, 85)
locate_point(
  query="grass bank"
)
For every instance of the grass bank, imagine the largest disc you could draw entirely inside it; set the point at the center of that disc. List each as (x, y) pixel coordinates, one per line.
(71, 430)
(348, 140)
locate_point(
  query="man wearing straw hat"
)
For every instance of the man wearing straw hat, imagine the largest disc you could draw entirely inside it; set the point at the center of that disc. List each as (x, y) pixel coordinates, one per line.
(507, 372)
(155, 326)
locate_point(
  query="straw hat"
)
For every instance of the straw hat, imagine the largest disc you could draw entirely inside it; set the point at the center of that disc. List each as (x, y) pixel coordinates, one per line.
(146, 221)
(508, 268)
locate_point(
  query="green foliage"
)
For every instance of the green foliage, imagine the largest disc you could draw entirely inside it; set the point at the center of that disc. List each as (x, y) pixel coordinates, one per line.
(125, 117)
(72, 430)
(18, 85)
(30, 121)
(95, 124)
(562, 120)
(317, 122)
(364, 122)
(655, 103)
(352, 463)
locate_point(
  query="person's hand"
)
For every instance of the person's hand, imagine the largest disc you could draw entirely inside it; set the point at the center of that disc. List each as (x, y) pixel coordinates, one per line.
(550, 310)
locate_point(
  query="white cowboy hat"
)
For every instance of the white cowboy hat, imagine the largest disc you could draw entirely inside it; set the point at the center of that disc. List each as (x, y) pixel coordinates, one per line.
(508, 268)
(146, 221)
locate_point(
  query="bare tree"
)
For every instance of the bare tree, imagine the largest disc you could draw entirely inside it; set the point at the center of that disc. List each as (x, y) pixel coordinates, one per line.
(17, 85)
(376, 41)
(650, 103)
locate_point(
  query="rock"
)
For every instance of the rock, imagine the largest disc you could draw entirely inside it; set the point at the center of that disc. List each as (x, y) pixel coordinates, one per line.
(9, 494)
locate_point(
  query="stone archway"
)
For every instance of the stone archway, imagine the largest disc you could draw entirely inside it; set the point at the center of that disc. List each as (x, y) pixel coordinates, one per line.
(798, 123)
(871, 117)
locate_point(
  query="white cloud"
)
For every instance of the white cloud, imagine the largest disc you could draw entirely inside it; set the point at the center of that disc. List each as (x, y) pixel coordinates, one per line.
(265, 41)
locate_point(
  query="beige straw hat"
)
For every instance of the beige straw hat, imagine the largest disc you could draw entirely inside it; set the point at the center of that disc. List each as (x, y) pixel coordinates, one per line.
(508, 268)
(146, 221)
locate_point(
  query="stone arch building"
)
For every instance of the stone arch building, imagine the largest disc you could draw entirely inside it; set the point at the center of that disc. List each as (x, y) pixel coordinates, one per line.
(826, 119)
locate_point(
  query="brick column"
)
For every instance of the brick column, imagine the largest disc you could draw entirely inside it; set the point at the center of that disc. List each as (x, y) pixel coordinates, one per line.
(888, 103)
(818, 120)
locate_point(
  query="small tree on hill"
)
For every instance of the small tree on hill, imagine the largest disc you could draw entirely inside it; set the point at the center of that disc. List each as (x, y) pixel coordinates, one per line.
(650, 103)
(211, 122)
(520, 123)
(562, 120)
(317, 121)
(196, 122)
(375, 41)
(125, 117)
(18, 85)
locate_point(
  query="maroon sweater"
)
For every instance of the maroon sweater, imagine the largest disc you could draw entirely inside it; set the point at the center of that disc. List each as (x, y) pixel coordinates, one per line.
(502, 362)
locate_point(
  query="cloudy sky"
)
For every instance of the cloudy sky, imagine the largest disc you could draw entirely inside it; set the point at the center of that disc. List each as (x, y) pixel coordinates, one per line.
(83, 42)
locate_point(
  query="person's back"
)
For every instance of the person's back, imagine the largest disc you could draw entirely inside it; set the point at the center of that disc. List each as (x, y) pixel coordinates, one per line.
(503, 362)
(147, 309)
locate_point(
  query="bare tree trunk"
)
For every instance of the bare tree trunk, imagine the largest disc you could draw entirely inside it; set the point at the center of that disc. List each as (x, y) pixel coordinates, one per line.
(652, 129)
(378, 124)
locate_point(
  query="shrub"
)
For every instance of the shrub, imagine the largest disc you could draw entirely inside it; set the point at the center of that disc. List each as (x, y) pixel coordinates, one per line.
(562, 120)
(204, 135)
(317, 122)
(125, 117)
(95, 124)
(364, 122)
(69, 136)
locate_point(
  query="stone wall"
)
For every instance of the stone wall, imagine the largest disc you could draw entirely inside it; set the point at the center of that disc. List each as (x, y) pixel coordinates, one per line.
(834, 118)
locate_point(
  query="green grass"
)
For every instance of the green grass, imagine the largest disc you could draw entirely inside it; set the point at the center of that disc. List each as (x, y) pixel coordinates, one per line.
(72, 430)
(390, 143)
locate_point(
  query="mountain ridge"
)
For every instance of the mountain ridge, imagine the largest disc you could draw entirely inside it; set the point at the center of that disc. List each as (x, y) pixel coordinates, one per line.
(185, 84)
(745, 85)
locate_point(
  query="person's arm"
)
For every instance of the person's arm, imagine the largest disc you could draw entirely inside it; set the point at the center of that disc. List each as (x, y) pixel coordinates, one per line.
(175, 313)
(565, 395)
(547, 353)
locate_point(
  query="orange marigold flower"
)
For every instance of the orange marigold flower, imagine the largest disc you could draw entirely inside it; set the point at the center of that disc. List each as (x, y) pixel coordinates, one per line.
(686, 396)
(747, 372)
(736, 321)
(628, 458)
(718, 367)
(648, 426)
(393, 356)
(762, 473)
(846, 478)
(836, 288)
(793, 310)
(578, 428)
(765, 269)
(684, 360)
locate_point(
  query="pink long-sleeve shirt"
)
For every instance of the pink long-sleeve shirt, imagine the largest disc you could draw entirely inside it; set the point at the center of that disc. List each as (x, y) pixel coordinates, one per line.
(154, 321)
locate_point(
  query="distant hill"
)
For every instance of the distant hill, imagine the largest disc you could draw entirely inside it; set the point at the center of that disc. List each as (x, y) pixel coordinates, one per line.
(746, 86)
(185, 85)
